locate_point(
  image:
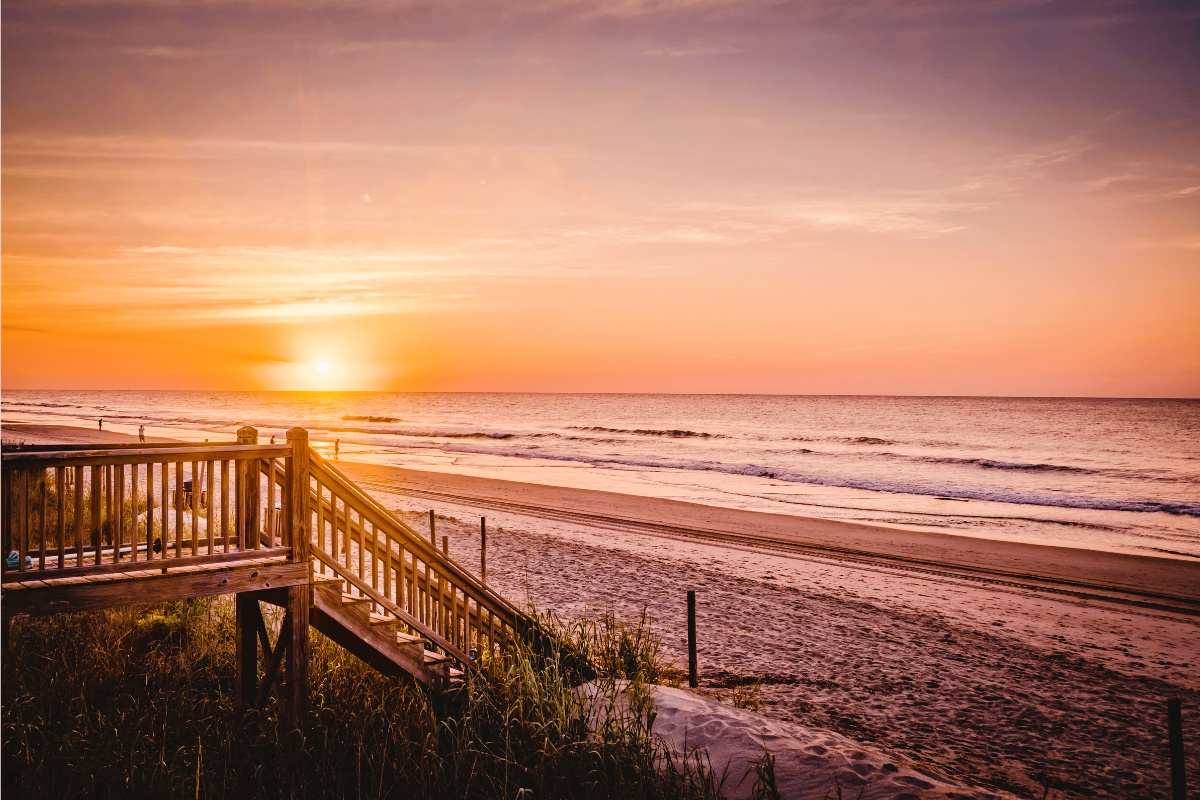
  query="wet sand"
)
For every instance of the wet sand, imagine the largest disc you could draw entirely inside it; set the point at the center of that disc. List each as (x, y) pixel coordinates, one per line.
(30, 433)
(1173, 579)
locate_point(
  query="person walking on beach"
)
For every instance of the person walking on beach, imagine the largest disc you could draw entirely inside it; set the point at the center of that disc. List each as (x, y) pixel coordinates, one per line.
(142, 434)
(100, 424)
(336, 444)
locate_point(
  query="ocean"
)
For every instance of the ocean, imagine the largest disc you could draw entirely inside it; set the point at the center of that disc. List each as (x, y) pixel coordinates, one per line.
(1094, 473)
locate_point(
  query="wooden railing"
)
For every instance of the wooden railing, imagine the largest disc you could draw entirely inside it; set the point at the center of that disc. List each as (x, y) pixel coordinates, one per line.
(76, 511)
(402, 573)
(83, 510)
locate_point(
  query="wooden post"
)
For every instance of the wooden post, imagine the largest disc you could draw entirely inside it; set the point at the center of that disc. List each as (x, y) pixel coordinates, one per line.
(294, 697)
(246, 646)
(483, 550)
(432, 530)
(294, 710)
(248, 479)
(1175, 737)
(693, 672)
(296, 493)
(446, 545)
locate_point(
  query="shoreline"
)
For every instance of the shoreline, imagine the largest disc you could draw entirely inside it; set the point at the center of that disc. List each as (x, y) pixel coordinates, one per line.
(1176, 579)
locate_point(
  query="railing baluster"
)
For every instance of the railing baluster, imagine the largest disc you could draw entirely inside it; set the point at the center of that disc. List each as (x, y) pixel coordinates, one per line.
(209, 496)
(178, 495)
(45, 486)
(22, 518)
(166, 515)
(321, 522)
(334, 531)
(225, 503)
(97, 487)
(133, 512)
(79, 516)
(119, 504)
(362, 532)
(272, 515)
(374, 555)
(193, 499)
(60, 474)
(150, 512)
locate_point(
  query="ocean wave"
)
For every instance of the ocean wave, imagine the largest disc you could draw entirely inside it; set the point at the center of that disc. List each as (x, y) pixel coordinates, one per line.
(956, 492)
(987, 463)
(864, 440)
(674, 434)
(358, 418)
(418, 433)
(15, 404)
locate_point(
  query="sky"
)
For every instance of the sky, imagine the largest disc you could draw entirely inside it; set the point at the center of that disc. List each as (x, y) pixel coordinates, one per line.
(998, 197)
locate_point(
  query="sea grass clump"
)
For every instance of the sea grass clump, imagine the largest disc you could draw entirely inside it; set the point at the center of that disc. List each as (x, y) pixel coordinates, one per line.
(141, 703)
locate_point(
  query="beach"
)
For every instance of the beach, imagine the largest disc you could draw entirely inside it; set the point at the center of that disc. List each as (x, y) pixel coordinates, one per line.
(1012, 683)
(1013, 667)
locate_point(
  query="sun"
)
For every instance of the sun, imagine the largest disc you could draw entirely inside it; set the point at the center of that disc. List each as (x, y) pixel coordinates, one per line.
(322, 367)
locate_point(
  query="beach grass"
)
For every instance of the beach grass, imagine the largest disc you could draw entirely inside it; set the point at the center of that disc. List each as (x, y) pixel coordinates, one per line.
(141, 702)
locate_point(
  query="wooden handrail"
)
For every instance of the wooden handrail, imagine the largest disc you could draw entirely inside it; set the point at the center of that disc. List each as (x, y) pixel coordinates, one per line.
(169, 455)
(415, 542)
(413, 570)
(9, 447)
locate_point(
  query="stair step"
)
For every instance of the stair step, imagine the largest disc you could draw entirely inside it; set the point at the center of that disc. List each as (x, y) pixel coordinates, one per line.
(407, 638)
(435, 658)
(381, 619)
(352, 599)
(323, 580)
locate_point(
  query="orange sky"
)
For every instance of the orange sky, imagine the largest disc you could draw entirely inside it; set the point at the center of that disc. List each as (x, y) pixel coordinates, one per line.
(897, 198)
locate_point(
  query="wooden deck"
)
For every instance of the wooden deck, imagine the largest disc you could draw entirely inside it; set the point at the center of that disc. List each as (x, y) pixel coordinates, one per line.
(88, 527)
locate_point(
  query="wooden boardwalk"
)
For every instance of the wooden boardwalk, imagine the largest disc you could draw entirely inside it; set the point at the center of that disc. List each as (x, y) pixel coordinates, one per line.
(89, 527)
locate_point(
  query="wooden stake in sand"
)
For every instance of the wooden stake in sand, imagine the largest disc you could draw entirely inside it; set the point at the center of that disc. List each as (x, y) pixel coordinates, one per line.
(483, 550)
(1175, 735)
(432, 530)
(446, 545)
(693, 672)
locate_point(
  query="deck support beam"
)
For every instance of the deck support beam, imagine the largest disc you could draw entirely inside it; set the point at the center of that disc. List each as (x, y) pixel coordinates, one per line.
(135, 587)
(293, 711)
(291, 652)
(247, 617)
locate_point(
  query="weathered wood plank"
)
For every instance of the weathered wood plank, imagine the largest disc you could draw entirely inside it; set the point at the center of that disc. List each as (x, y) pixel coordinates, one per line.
(168, 565)
(154, 588)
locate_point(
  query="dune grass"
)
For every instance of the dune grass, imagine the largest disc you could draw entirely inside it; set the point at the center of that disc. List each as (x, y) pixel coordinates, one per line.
(141, 703)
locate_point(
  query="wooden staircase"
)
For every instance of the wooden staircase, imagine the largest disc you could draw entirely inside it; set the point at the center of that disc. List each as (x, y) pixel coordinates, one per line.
(347, 619)
(387, 594)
